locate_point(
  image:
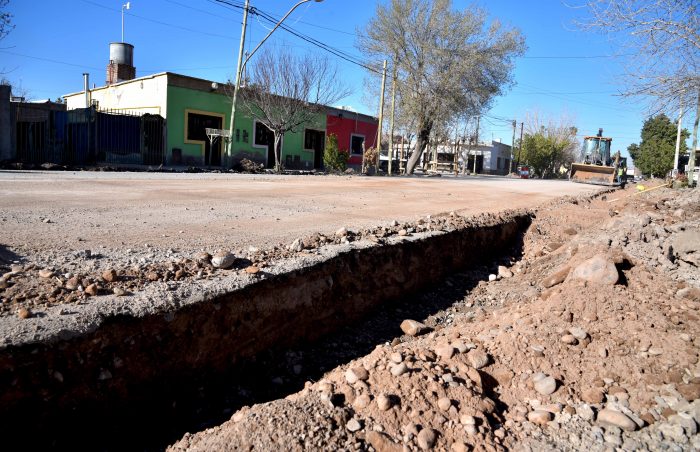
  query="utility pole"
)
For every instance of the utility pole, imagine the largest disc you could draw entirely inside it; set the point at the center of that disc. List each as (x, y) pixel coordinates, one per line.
(678, 138)
(393, 107)
(520, 147)
(237, 81)
(694, 150)
(478, 118)
(512, 147)
(381, 117)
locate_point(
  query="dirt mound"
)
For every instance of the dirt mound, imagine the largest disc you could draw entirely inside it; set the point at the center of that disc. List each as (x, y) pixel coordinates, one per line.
(590, 339)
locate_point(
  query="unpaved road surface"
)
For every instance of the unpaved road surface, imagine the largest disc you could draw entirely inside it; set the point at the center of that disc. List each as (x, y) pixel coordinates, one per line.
(589, 340)
(64, 211)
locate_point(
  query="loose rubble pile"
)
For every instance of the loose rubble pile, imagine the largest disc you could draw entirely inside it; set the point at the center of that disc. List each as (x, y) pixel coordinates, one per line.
(39, 282)
(589, 340)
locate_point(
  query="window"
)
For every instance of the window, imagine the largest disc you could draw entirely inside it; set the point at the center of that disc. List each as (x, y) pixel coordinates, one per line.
(314, 140)
(357, 143)
(238, 135)
(197, 124)
(498, 163)
(245, 136)
(263, 135)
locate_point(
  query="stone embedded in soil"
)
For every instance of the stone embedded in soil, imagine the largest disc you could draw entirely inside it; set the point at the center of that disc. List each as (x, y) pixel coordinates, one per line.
(356, 374)
(110, 275)
(118, 291)
(690, 391)
(544, 384)
(223, 260)
(72, 283)
(578, 333)
(297, 245)
(251, 270)
(556, 278)
(478, 358)
(426, 438)
(24, 313)
(445, 351)
(504, 272)
(540, 417)
(353, 425)
(444, 403)
(92, 289)
(361, 402)
(396, 357)
(493, 277)
(569, 339)
(381, 442)
(593, 395)
(616, 419)
(342, 232)
(413, 327)
(46, 273)
(399, 369)
(383, 402)
(598, 269)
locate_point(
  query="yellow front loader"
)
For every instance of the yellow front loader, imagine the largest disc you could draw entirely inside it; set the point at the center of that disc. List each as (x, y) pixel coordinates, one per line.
(595, 165)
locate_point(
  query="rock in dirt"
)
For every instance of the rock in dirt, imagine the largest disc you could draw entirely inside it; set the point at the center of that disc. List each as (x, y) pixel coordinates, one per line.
(252, 269)
(24, 313)
(556, 278)
(598, 269)
(46, 273)
(356, 374)
(223, 260)
(445, 351)
(92, 289)
(381, 442)
(444, 403)
(544, 384)
(593, 396)
(110, 275)
(399, 369)
(426, 438)
(383, 402)
(504, 272)
(686, 244)
(478, 358)
(342, 232)
(353, 425)
(616, 419)
(413, 327)
(540, 417)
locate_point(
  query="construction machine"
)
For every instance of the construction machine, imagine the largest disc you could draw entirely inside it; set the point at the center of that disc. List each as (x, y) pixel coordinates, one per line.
(595, 164)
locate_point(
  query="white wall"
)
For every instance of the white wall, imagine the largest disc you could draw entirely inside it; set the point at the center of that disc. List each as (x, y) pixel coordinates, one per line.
(144, 95)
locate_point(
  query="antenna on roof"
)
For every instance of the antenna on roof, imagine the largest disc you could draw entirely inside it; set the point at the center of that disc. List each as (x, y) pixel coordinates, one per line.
(125, 6)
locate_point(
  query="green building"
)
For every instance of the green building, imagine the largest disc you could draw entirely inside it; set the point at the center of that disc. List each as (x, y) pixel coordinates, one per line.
(190, 106)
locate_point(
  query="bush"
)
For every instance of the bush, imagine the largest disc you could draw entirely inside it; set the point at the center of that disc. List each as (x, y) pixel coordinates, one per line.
(333, 158)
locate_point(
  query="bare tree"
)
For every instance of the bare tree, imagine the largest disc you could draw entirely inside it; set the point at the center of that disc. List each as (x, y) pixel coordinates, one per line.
(662, 38)
(288, 91)
(447, 62)
(5, 20)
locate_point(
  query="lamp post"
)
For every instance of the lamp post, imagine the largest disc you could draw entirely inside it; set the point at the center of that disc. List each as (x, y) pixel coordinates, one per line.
(125, 6)
(241, 65)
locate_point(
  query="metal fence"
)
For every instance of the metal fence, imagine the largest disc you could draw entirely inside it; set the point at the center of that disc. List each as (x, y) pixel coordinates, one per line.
(47, 133)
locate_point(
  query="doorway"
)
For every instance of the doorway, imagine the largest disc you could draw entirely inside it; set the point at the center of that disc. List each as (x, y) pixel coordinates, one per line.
(196, 125)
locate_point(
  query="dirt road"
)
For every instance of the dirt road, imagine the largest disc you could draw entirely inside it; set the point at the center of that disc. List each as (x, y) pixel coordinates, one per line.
(63, 211)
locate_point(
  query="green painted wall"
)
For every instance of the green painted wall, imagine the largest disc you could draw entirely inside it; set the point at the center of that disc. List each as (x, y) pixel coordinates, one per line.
(182, 99)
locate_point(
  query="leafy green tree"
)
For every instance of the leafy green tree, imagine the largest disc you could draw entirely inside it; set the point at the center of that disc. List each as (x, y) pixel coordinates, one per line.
(654, 154)
(550, 150)
(333, 158)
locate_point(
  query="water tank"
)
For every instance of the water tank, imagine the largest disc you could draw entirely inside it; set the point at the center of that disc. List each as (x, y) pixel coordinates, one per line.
(121, 53)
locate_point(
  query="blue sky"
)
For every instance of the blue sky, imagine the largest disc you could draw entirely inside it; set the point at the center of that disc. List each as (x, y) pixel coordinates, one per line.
(564, 72)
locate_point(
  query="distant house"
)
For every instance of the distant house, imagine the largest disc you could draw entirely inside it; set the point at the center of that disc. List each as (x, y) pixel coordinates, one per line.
(355, 132)
(191, 105)
(491, 158)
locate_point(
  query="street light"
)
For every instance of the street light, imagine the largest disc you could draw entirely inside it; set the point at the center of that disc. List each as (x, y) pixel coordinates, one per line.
(125, 6)
(240, 67)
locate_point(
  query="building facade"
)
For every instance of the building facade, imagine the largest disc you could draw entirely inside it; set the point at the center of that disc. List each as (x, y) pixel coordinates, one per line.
(191, 105)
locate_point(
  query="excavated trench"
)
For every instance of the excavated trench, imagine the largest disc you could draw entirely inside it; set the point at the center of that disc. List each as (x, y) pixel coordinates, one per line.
(142, 382)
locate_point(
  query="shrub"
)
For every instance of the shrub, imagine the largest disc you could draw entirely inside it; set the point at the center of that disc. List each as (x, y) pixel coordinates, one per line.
(333, 158)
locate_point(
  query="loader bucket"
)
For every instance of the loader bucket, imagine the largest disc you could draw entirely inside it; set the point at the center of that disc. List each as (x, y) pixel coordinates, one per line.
(593, 174)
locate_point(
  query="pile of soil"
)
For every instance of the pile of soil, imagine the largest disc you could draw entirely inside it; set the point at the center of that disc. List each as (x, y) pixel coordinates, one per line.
(588, 340)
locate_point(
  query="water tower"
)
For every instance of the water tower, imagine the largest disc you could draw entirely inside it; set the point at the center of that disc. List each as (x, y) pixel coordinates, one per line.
(121, 63)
